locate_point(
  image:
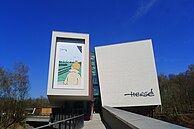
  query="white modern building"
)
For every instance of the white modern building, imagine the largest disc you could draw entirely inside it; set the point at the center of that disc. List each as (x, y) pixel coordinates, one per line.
(127, 74)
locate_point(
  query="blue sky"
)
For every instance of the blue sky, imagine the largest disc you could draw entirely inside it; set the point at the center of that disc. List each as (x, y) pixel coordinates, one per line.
(26, 28)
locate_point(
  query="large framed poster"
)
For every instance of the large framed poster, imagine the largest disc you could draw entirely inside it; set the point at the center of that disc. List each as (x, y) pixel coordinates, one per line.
(69, 65)
(69, 76)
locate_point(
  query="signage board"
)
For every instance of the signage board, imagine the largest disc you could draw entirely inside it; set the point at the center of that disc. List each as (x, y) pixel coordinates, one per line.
(69, 67)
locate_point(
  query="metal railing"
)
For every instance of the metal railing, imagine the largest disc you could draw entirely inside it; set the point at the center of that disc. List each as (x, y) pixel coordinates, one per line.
(75, 122)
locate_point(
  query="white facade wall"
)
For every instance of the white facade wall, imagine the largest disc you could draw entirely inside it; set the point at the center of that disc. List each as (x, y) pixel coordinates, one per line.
(127, 73)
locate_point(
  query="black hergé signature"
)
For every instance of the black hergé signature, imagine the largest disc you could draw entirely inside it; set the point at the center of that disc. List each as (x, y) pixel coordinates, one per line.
(141, 94)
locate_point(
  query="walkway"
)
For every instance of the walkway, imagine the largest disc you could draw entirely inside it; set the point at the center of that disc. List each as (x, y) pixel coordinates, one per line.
(95, 123)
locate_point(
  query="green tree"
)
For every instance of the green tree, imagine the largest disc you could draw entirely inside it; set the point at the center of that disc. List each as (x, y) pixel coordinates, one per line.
(177, 95)
(14, 87)
(40, 102)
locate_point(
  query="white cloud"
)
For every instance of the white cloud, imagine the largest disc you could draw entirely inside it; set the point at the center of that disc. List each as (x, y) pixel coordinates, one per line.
(143, 9)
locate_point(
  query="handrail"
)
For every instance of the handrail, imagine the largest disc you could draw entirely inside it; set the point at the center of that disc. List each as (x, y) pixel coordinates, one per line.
(57, 122)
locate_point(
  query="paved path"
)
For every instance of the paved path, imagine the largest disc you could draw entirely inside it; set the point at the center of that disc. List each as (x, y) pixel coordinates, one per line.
(95, 123)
